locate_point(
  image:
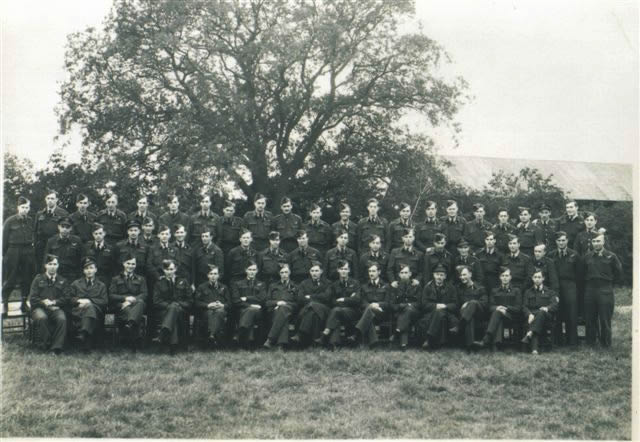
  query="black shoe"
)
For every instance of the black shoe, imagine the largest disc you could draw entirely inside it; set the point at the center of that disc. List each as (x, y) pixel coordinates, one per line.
(320, 340)
(267, 344)
(403, 347)
(426, 345)
(526, 339)
(82, 337)
(57, 351)
(454, 330)
(478, 345)
(173, 349)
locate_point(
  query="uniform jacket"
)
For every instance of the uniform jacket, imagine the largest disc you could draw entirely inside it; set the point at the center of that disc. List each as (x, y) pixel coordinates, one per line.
(333, 256)
(395, 231)
(454, 229)
(165, 292)
(97, 293)
(17, 232)
(114, 225)
(105, 258)
(433, 294)
(300, 261)
(533, 299)
(157, 254)
(568, 264)
(351, 228)
(200, 222)
(349, 290)
(473, 263)
(406, 293)
(431, 260)
(521, 268)
(604, 266)
(320, 235)
(287, 225)
(425, 232)
(475, 232)
(572, 226)
(41, 288)
(185, 257)
(509, 297)
(203, 257)
(207, 293)
(255, 291)
(548, 230)
(529, 235)
(379, 292)
(367, 259)
(237, 260)
(137, 249)
(140, 217)
(69, 253)
(502, 232)
(82, 225)
(171, 219)
(46, 224)
(279, 291)
(399, 257)
(122, 286)
(549, 270)
(474, 293)
(368, 226)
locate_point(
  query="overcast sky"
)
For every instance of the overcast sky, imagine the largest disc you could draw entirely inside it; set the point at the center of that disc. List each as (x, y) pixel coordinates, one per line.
(550, 79)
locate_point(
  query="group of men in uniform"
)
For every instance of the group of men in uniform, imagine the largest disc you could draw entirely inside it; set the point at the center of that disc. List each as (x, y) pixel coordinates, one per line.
(265, 276)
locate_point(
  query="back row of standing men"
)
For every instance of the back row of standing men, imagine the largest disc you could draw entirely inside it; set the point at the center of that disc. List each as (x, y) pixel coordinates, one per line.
(194, 242)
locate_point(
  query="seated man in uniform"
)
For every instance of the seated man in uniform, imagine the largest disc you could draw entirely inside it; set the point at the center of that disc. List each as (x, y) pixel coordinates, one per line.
(475, 305)
(314, 294)
(406, 296)
(49, 297)
(248, 296)
(376, 302)
(439, 301)
(212, 301)
(282, 305)
(127, 295)
(89, 303)
(171, 302)
(505, 303)
(539, 306)
(346, 293)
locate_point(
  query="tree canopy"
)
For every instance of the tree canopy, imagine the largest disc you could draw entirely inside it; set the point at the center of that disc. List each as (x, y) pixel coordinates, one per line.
(264, 93)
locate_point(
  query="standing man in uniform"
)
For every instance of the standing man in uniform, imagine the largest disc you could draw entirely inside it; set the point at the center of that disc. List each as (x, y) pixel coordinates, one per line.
(341, 252)
(271, 260)
(454, 226)
(571, 222)
(287, 224)
(104, 255)
(204, 220)
(142, 212)
(439, 302)
(113, 219)
(68, 249)
(82, 219)
(520, 265)
(426, 230)
(407, 254)
(583, 244)
(173, 215)
(502, 229)
(372, 225)
(207, 254)
(490, 261)
(437, 255)
(397, 227)
(301, 259)
(185, 255)
(375, 255)
(475, 229)
(18, 255)
(601, 269)
(546, 225)
(318, 231)
(238, 258)
(46, 223)
(259, 222)
(345, 223)
(548, 267)
(528, 234)
(568, 266)
(132, 245)
(229, 228)
(212, 302)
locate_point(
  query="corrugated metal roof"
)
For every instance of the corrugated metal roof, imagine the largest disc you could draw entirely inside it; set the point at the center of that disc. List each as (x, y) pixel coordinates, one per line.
(581, 180)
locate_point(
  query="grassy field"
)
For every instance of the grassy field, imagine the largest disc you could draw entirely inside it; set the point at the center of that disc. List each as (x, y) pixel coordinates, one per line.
(581, 394)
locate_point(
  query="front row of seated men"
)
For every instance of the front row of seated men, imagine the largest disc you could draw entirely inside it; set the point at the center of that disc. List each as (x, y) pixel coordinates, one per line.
(317, 307)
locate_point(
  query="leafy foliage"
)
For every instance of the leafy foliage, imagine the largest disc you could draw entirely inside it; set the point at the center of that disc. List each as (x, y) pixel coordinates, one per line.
(196, 93)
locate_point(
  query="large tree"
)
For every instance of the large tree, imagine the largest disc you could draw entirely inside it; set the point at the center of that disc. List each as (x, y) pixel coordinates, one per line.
(253, 91)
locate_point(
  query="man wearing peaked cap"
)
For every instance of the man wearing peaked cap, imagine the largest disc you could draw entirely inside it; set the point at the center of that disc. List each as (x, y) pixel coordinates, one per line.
(134, 246)
(89, 303)
(68, 249)
(18, 254)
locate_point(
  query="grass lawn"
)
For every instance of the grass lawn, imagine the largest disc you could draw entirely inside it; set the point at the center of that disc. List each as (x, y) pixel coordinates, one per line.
(581, 394)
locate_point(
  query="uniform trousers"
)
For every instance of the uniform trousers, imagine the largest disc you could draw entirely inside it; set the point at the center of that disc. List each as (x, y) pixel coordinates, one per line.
(367, 321)
(50, 327)
(346, 316)
(407, 316)
(598, 307)
(86, 318)
(131, 314)
(248, 320)
(311, 321)
(568, 312)
(173, 319)
(280, 319)
(215, 320)
(18, 270)
(470, 315)
(495, 328)
(434, 326)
